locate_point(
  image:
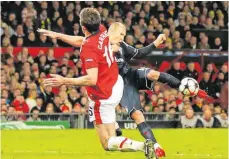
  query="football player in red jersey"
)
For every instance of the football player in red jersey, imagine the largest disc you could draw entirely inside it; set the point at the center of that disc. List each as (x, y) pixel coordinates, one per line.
(103, 84)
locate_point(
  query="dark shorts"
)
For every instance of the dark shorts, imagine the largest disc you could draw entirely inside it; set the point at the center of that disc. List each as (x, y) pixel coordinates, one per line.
(134, 80)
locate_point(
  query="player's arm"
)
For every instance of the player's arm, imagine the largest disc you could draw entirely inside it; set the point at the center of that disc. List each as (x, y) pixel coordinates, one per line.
(75, 41)
(88, 80)
(142, 52)
(90, 60)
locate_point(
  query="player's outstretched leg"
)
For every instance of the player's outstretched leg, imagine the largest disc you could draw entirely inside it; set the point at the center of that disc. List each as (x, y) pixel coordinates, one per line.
(146, 132)
(127, 145)
(163, 77)
(111, 142)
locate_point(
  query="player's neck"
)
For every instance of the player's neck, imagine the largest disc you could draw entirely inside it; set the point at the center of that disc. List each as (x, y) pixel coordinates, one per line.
(87, 34)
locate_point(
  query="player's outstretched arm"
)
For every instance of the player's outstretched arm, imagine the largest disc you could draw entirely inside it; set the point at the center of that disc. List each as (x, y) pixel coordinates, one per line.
(75, 41)
(142, 52)
(88, 80)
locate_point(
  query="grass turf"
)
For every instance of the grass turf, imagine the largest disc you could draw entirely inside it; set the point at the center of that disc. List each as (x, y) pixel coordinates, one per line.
(84, 144)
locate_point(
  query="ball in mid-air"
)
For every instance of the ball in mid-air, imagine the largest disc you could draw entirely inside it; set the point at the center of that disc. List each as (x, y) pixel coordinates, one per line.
(189, 87)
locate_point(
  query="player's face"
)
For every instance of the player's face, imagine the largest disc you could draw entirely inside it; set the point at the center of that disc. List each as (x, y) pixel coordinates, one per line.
(117, 36)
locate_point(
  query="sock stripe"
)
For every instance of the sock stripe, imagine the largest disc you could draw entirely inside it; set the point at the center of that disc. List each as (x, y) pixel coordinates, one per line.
(122, 143)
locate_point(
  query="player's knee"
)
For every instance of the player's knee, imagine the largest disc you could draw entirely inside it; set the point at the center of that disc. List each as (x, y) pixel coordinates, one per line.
(138, 116)
(153, 75)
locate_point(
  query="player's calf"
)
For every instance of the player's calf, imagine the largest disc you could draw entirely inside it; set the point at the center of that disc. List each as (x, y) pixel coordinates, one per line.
(147, 133)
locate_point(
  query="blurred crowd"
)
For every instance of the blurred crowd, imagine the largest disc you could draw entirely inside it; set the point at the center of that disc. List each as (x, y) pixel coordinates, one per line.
(22, 90)
(22, 75)
(144, 22)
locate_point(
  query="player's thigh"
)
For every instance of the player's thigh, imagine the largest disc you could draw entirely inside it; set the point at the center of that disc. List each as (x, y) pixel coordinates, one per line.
(143, 82)
(130, 99)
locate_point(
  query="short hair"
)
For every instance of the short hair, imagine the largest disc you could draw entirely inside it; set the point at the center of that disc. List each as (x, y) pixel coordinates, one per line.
(90, 19)
(114, 26)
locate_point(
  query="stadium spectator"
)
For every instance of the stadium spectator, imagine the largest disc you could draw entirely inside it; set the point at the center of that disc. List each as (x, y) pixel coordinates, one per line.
(29, 11)
(223, 119)
(12, 21)
(20, 42)
(224, 69)
(31, 40)
(39, 104)
(44, 42)
(31, 100)
(184, 104)
(206, 83)
(218, 83)
(69, 23)
(198, 103)
(192, 44)
(64, 100)
(73, 96)
(44, 21)
(210, 70)
(20, 105)
(34, 116)
(18, 34)
(209, 121)
(209, 24)
(203, 44)
(50, 111)
(190, 71)
(29, 26)
(171, 115)
(11, 114)
(47, 95)
(189, 120)
(217, 44)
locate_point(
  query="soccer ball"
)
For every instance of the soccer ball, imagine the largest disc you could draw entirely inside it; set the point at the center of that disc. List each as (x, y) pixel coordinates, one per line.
(189, 87)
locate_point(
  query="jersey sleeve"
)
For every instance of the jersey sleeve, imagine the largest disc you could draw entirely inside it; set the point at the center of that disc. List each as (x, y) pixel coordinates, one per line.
(129, 51)
(90, 58)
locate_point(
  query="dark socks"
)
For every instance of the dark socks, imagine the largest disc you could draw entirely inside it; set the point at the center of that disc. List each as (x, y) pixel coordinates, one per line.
(169, 79)
(146, 131)
(118, 132)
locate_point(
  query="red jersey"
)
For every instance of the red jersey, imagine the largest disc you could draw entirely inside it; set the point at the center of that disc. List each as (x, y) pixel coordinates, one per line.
(96, 53)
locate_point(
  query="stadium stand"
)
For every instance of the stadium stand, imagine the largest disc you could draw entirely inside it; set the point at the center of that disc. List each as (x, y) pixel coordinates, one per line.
(27, 57)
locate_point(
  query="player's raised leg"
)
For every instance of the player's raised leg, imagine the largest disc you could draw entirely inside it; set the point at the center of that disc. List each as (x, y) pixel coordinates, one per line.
(163, 77)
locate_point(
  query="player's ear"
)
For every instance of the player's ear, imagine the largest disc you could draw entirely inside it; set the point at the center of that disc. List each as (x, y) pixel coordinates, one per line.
(84, 29)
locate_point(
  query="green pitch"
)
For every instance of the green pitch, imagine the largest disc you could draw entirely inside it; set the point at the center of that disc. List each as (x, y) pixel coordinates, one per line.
(84, 144)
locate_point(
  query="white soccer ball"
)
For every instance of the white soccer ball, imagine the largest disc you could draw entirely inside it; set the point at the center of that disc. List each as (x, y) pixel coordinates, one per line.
(189, 87)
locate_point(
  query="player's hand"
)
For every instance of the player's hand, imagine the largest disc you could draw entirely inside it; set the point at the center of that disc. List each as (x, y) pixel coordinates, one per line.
(51, 34)
(160, 39)
(54, 81)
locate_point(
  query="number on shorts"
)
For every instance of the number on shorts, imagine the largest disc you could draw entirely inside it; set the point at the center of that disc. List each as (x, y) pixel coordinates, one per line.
(90, 113)
(108, 54)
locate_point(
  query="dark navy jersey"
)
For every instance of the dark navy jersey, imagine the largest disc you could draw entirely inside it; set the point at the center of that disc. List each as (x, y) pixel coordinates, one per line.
(127, 53)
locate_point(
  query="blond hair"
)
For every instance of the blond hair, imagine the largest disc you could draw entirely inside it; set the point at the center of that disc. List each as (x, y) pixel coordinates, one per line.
(115, 26)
